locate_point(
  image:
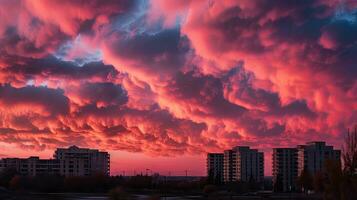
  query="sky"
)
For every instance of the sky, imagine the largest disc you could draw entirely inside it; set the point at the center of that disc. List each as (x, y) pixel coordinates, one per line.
(160, 83)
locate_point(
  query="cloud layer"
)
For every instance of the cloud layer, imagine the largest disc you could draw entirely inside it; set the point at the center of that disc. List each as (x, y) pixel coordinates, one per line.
(165, 78)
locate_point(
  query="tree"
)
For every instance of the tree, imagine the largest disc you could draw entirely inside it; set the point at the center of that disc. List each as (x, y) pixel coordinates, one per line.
(119, 194)
(319, 181)
(349, 152)
(6, 175)
(305, 180)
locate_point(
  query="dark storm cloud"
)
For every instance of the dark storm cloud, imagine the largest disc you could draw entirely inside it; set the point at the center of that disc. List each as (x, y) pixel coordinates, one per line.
(161, 53)
(52, 68)
(101, 94)
(205, 92)
(51, 101)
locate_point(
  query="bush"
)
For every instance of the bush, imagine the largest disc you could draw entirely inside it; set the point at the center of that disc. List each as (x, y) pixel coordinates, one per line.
(6, 175)
(209, 189)
(118, 194)
(154, 197)
(16, 183)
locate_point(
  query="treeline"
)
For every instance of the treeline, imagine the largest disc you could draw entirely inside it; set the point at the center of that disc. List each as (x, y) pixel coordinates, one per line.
(11, 180)
(118, 186)
(97, 183)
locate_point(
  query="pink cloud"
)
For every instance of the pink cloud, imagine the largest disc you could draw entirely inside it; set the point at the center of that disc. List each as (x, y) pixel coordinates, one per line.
(178, 78)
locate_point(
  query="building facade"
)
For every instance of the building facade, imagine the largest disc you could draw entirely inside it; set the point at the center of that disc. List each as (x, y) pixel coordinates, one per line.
(249, 164)
(215, 167)
(289, 163)
(76, 161)
(243, 164)
(229, 166)
(32, 166)
(313, 156)
(72, 161)
(285, 169)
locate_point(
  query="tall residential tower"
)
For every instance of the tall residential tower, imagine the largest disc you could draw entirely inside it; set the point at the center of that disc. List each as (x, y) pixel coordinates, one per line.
(285, 172)
(215, 167)
(289, 163)
(243, 164)
(313, 155)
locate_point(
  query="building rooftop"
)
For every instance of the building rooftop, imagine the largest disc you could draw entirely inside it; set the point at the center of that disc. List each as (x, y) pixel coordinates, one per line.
(316, 143)
(285, 148)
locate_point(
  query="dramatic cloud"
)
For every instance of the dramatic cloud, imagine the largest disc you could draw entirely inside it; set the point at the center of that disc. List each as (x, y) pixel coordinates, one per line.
(168, 78)
(27, 99)
(37, 28)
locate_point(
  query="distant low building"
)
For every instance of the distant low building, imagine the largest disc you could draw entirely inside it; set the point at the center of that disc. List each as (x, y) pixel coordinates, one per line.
(72, 161)
(32, 166)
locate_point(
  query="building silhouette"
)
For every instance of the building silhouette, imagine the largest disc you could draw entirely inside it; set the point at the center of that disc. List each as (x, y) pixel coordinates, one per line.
(239, 164)
(250, 164)
(215, 167)
(313, 155)
(289, 163)
(285, 172)
(229, 165)
(72, 161)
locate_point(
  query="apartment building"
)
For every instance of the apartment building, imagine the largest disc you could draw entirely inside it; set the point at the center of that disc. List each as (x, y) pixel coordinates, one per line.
(249, 164)
(289, 163)
(32, 166)
(285, 172)
(313, 155)
(229, 166)
(215, 166)
(243, 164)
(77, 161)
(72, 161)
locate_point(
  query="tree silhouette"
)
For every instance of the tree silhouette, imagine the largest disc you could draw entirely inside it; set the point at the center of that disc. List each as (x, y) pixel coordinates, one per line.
(305, 180)
(319, 181)
(6, 175)
(349, 152)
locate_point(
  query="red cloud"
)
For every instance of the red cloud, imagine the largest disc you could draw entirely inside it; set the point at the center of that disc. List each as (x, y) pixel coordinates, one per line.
(37, 28)
(190, 78)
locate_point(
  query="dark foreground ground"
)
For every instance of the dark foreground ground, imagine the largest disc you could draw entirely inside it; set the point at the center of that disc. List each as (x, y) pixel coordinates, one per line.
(81, 196)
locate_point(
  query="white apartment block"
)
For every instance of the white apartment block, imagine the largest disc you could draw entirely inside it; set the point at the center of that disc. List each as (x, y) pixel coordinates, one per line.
(229, 166)
(72, 161)
(82, 162)
(31, 166)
